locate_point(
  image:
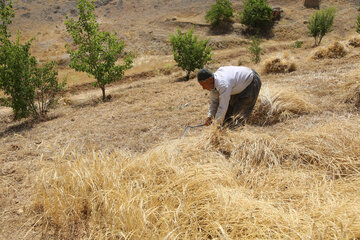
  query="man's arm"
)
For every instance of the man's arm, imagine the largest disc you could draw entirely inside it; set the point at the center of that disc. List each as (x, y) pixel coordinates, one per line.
(224, 98)
(214, 98)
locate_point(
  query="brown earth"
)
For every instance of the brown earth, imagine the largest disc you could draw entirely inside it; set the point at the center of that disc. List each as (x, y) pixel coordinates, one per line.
(151, 105)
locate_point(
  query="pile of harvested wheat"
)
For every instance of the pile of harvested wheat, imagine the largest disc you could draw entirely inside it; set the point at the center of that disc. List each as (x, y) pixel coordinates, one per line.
(221, 184)
(336, 50)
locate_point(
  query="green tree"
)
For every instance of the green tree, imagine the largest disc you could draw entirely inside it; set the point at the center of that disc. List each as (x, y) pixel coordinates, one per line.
(6, 14)
(358, 24)
(190, 53)
(220, 12)
(93, 51)
(256, 14)
(255, 49)
(46, 88)
(16, 75)
(320, 23)
(18, 71)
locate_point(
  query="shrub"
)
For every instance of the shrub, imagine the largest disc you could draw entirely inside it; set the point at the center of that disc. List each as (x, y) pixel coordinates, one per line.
(93, 51)
(20, 78)
(46, 88)
(320, 23)
(256, 14)
(190, 53)
(358, 24)
(221, 12)
(297, 44)
(255, 49)
(16, 75)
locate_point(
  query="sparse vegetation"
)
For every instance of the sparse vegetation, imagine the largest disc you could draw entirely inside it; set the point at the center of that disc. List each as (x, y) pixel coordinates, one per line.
(256, 14)
(358, 24)
(320, 23)
(255, 49)
(30, 89)
(221, 12)
(297, 44)
(93, 51)
(190, 53)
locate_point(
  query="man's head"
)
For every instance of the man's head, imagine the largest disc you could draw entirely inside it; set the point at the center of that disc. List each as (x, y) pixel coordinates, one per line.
(206, 79)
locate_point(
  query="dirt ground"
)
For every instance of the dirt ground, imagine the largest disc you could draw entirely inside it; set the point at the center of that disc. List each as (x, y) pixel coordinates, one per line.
(152, 105)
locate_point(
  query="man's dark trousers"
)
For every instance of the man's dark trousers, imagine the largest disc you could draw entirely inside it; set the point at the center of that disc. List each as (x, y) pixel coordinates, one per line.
(242, 104)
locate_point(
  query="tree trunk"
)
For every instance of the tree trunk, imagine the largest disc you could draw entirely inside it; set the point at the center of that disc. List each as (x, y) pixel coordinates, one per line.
(187, 76)
(103, 93)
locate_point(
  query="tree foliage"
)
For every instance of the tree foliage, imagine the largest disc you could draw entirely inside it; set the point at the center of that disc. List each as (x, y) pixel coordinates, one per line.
(19, 73)
(220, 12)
(93, 51)
(256, 14)
(320, 23)
(6, 15)
(190, 53)
(46, 87)
(358, 24)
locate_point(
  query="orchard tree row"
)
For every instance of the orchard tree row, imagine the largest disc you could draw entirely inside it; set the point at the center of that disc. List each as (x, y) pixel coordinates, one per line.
(30, 89)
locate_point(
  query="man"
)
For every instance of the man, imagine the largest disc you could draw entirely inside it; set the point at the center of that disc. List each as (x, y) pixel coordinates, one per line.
(233, 94)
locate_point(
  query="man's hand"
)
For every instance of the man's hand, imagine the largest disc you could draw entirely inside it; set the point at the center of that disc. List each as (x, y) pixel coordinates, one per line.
(208, 121)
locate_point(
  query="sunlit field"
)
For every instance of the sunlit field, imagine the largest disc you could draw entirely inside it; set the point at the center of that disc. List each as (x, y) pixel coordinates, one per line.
(119, 169)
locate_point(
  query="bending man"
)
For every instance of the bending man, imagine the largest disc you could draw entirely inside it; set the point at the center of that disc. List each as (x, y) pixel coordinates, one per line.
(233, 94)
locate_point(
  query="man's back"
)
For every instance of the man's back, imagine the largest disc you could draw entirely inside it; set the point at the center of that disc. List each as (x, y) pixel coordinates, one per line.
(236, 78)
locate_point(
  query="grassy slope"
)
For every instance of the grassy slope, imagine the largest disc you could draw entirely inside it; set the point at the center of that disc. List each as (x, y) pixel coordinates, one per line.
(296, 178)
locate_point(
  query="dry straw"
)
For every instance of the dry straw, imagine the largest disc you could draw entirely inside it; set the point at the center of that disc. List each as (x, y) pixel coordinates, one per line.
(277, 105)
(336, 50)
(354, 42)
(282, 64)
(219, 185)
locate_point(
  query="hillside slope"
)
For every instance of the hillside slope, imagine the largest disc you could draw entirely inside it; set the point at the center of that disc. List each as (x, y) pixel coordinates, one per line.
(293, 171)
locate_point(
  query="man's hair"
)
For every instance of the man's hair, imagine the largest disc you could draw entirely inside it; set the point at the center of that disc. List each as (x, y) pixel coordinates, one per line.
(204, 74)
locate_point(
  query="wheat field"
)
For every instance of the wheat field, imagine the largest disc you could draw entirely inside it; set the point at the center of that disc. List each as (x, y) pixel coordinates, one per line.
(292, 172)
(120, 170)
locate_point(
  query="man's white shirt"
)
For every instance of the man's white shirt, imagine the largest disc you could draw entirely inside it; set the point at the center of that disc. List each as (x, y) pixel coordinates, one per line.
(229, 80)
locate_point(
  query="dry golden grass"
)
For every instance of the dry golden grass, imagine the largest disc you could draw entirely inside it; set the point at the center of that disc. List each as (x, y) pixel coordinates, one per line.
(279, 65)
(336, 50)
(223, 185)
(354, 42)
(273, 107)
(118, 170)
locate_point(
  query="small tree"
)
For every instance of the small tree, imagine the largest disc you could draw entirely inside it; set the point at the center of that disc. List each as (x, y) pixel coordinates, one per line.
(18, 71)
(320, 23)
(220, 12)
(256, 14)
(255, 49)
(93, 51)
(46, 88)
(190, 53)
(16, 75)
(6, 14)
